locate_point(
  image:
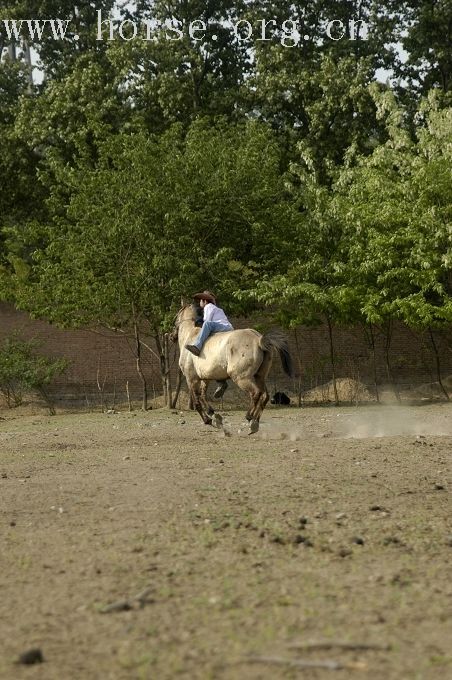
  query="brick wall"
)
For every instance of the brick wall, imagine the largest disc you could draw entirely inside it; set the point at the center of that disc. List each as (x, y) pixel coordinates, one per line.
(101, 355)
(108, 357)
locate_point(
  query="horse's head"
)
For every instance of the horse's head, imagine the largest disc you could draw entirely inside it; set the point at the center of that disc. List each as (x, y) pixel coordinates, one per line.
(185, 313)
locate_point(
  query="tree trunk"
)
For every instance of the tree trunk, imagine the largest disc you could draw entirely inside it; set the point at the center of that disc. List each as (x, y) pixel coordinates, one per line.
(169, 390)
(332, 358)
(49, 402)
(128, 396)
(177, 389)
(369, 332)
(163, 349)
(28, 61)
(144, 404)
(161, 354)
(100, 387)
(114, 395)
(388, 335)
(12, 52)
(297, 345)
(438, 364)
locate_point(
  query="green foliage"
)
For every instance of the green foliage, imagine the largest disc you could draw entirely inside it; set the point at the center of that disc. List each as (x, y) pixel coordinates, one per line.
(397, 205)
(140, 171)
(157, 218)
(20, 196)
(427, 41)
(315, 93)
(179, 80)
(58, 56)
(376, 245)
(22, 370)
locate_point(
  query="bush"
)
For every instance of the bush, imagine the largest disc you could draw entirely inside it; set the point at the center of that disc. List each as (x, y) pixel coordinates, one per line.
(22, 370)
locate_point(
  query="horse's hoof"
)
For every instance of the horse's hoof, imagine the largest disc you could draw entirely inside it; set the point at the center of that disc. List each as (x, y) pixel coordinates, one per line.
(218, 421)
(254, 426)
(208, 421)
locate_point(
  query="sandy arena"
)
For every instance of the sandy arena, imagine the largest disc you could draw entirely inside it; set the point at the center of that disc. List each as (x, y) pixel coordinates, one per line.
(149, 546)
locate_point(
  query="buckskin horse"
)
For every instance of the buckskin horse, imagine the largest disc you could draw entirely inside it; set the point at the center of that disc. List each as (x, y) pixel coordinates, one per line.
(243, 355)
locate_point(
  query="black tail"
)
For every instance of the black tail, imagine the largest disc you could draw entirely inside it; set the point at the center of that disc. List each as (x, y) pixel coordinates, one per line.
(276, 339)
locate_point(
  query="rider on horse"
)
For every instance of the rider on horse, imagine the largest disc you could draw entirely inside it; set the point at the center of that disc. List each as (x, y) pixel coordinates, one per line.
(214, 321)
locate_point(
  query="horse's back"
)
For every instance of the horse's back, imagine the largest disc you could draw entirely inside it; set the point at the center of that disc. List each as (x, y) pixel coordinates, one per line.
(230, 354)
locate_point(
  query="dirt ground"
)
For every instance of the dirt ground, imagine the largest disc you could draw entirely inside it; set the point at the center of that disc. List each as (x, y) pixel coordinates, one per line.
(151, 546)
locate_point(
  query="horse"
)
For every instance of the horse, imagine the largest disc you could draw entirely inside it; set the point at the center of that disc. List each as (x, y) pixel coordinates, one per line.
(243, 355)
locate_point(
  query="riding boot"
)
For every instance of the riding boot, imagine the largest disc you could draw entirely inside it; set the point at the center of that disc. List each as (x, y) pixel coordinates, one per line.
(221, 389)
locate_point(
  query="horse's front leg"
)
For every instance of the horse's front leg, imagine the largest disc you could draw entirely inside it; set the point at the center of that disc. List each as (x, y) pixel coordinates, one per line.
(217, 419)
(195, 389)
(203, 396)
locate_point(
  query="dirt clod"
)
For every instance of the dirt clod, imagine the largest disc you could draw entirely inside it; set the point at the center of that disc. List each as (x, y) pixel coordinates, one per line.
(299, 539)
(30, 657)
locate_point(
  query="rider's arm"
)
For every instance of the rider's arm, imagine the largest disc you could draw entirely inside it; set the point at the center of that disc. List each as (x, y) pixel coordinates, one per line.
(208, 312)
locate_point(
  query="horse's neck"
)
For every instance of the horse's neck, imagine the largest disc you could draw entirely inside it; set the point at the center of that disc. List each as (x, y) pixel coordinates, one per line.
(185, 331)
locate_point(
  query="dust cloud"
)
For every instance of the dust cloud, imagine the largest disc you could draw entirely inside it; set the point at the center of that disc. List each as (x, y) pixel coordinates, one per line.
(355, 423)
(392, 421)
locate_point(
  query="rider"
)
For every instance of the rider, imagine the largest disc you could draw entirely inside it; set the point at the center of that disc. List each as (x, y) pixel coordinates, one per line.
(214, 321)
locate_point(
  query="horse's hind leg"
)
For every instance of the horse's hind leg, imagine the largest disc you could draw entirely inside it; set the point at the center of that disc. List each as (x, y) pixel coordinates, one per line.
(252, 407)
(258, 392)
(255, 414)
(262, 403)
(254, 390)
(260, 379)
(251, 386)
(196, 390)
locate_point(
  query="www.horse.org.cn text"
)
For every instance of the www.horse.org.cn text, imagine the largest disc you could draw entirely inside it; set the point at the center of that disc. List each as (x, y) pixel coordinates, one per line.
(288, 33)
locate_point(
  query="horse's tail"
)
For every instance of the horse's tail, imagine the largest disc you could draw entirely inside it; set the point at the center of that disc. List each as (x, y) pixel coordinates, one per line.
(276, 339)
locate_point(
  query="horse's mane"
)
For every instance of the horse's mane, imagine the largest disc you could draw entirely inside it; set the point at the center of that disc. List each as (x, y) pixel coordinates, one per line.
(190, 306)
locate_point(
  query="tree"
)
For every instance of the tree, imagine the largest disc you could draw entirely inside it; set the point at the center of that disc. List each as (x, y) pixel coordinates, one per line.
(397, 208)
(315, 91)
(178, 76)
(426, 35)
(376, 245)
(159, 217)
(57, 56)
(309, 287)
(21, 197)
(23, 370)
